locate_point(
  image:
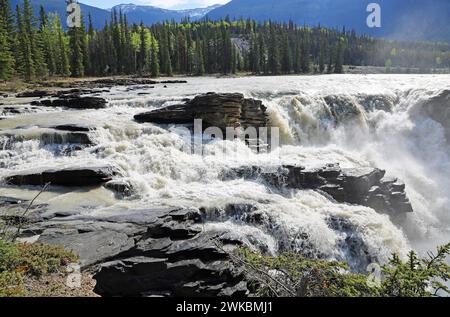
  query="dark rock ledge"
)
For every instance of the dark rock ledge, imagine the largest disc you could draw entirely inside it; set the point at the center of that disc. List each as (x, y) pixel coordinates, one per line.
(72, 177)
(47, 137)
(216, 110)
(360, 186)
(159, 251)
(73, 102)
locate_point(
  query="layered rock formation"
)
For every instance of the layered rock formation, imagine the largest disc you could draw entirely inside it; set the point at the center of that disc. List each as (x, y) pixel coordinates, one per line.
(159, 251)
(438, 109)
(34, 94)
(360, 186)
(215, 110)
(45, 137)
(74, 102)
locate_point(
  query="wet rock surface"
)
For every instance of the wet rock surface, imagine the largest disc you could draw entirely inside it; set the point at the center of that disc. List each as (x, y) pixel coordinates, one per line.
(12, 211)
(71, 177)
(74, 102)
(360, 186)
(438, 109)
(46, 137)
(157, 251)
(216, 110)
(73, 127)
(34, 94)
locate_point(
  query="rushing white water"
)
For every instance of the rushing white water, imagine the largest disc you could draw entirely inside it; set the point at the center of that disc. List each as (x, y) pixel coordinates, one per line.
(357, 121)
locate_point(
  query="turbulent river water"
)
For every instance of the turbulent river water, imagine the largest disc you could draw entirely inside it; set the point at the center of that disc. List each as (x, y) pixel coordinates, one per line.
(354, 120)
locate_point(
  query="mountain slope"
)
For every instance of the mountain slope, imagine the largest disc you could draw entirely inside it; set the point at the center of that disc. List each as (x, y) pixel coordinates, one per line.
(401, 19)
(135, 13)
(150, 14)
(99, 16)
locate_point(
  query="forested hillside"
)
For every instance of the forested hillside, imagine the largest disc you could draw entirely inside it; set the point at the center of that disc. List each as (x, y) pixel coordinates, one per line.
(33, 47)
(400, 19)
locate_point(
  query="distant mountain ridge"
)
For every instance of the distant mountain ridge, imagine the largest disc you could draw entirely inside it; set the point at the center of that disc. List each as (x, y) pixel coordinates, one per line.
(135, 13)
(401, 19)
(150, 14)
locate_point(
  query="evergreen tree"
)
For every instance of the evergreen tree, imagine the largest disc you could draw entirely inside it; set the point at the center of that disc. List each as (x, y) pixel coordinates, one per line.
(199, 61)
(35, 39)
(322, 58)
(48, 40)
(62, 56)
(6, 56)
(274, 55)
(286, 63)
(7, 17)
(143, 49)
(306, 58)
(234, 56)
(84, 46)
(330, 61)
(262, 54)
(255, 55)
(43, 19)
(298, 59)
(154, 64)
(339, 65)
(76, 49)
(25, 63)
(91, 31)
(166, 62)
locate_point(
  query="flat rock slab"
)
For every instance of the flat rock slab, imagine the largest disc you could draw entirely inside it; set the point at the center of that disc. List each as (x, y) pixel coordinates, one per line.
(71, 177)
(92, 247)
(34, 94)
(74, 103)
(46, 136)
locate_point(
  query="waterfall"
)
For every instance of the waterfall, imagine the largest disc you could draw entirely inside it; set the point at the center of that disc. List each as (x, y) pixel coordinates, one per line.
(395, 123)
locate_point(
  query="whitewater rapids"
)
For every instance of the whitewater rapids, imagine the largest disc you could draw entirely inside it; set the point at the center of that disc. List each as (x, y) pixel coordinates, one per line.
(353, 120)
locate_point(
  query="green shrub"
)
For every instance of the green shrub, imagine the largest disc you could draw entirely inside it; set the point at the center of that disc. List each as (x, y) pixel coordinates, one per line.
(292, 275)
(11, 284)
(417, 277)
(18, 260)
(33, 259)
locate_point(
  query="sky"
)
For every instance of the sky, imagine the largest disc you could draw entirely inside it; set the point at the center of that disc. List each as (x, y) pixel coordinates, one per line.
(167, 4)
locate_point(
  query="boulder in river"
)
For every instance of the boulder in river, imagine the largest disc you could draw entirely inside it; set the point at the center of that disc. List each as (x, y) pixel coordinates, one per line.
(73, 127)
(71, 177)
(34, 94)
(216, 110)
(74, 102)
